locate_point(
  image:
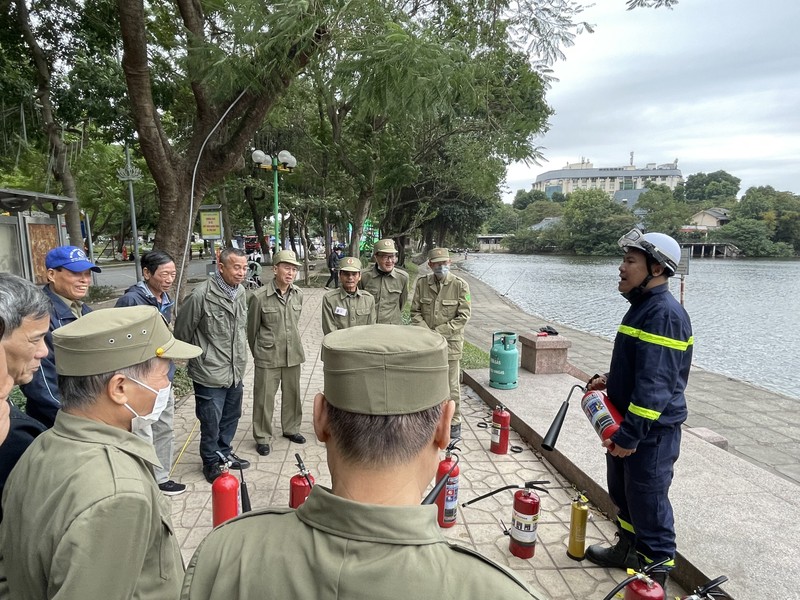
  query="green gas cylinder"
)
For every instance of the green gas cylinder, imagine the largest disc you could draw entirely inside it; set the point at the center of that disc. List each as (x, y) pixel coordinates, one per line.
(503, 360)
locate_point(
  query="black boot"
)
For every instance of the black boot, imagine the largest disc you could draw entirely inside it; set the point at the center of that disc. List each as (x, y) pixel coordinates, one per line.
(621, 555)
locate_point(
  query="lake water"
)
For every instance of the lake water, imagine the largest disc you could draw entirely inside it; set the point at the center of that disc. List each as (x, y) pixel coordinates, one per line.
(745, 312)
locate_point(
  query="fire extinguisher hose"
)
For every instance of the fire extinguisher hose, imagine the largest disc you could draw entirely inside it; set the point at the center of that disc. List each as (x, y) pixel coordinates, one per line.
(534, 485)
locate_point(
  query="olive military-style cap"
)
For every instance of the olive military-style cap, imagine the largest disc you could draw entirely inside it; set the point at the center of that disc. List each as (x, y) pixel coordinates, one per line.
(104, 341)
(286, 256)
(386, 246)
(438, 255)
(385, 369)
(350, 263)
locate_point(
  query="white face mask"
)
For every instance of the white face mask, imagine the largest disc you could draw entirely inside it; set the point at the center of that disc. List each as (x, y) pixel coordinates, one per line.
(441, 271)
(141, 422)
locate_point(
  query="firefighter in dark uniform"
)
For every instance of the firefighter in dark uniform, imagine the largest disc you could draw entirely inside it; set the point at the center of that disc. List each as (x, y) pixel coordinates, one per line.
(646, 382)
(384, 416)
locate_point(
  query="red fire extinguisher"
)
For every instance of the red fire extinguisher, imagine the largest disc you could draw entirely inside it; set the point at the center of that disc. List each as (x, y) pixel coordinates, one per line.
(447, 499)
(300, 485)
(643, 589)
(501, 423)
(603, 415)
(224, 496)
(525, 517)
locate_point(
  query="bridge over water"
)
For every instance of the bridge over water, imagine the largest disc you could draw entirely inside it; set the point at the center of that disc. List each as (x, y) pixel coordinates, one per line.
(711, 249)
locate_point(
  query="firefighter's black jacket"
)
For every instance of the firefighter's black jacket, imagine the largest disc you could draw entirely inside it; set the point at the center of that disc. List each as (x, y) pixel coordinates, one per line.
(650, 366)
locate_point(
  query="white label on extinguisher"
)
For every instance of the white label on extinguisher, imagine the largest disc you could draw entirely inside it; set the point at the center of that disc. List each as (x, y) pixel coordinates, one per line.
(450, 499)
(495, 433)
(524, 527)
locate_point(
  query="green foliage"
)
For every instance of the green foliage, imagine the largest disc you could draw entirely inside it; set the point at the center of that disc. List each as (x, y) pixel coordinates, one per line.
(182, 383)
(504, 220)
(752, 237)
(100, 293)
(712, 186)
(522, 198)
(664, 213)
(595, 221)
(541, 209)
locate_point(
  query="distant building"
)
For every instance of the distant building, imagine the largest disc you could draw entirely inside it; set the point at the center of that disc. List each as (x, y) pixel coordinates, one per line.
(710, 218)
(545, 223)
(491, 242)
(583, 176)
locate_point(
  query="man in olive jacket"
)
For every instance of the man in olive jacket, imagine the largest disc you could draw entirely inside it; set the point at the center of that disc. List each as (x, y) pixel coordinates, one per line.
(386, 283)
(442, 303)
(274, 336)
(384, 417)
(214, 317)
(348, 306)
(84, 516)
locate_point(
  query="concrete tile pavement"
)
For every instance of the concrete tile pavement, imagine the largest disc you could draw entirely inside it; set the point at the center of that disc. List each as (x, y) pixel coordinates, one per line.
(477, 527)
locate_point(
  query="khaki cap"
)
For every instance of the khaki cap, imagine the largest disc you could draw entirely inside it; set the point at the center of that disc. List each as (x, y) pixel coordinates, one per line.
(350, 263)
(286, 256)
(385, 369)
(438, 255)
(104, 341)
(386, 246)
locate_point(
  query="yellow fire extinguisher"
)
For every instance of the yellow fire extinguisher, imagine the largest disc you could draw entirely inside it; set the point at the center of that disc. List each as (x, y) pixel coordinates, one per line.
(578, 517)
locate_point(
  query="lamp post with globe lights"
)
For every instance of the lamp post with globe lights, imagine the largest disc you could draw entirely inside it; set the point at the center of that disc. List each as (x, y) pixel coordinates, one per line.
(283, 161)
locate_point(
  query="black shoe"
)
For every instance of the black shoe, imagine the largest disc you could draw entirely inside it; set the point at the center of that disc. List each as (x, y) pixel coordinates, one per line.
(263, 449)
(237, 463)
(455, 431)
(171, 488)
(211, 472)
(297, 438)
(621, 555)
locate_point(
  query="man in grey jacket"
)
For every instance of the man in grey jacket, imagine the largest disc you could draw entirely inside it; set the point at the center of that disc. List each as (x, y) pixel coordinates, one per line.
(214, 317)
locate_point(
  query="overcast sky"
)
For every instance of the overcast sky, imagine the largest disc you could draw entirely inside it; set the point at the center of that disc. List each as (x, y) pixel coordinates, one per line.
(713, 83)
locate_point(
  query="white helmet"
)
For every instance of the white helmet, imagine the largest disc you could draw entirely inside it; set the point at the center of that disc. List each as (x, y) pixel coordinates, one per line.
(664, 249)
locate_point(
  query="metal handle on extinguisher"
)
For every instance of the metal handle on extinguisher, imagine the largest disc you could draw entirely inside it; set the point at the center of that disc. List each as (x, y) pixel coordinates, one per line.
(303, 471)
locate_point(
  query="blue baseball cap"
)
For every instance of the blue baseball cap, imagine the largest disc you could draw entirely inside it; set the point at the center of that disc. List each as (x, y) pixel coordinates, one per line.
(71, 258)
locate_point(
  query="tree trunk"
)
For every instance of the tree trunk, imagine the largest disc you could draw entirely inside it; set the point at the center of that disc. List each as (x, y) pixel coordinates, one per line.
(227, 228)
(250, 196)
(60, 165)
(361, 213)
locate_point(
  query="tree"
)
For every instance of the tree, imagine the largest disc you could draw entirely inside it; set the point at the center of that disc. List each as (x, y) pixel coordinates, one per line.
(664, 213)
(713, 186)
(539, 210)
(504, 220)
(522, 198)
(595, 222)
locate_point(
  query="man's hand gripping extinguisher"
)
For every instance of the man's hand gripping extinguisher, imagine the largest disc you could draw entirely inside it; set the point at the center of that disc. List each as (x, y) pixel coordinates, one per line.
(300, 485)
(225, 494)
(525, 516)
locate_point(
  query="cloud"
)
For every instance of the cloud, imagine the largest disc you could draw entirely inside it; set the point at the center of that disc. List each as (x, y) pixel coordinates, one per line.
(715, 84)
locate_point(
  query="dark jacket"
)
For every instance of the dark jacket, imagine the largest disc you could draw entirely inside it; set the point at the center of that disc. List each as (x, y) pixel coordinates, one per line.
(650, 366)
(42, 393)
(21, 432)
(140, 295)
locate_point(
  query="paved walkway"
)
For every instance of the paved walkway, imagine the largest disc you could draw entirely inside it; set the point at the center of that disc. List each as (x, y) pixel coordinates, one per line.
(477, 526)
(761, 426)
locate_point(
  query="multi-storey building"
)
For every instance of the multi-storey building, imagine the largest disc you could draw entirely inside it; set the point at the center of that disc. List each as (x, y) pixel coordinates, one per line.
(583, 176)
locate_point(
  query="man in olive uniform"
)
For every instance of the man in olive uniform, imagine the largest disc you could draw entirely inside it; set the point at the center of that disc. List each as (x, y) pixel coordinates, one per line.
(348, 306)
(273, 317)
(442, 303)
(384, 417)
(88, 518)
(213, 317)
(386, 283)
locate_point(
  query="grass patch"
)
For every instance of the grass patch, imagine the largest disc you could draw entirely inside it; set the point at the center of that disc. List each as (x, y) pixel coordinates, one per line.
(474, 358)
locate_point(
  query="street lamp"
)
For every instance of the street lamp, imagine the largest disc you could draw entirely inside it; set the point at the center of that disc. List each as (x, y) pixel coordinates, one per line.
(283, 161)
(131, 173)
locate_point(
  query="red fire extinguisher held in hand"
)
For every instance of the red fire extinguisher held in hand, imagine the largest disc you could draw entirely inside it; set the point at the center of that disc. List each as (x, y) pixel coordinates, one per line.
(602, 414)
(224, 495)
(501, 423)
(525, 516)
(447, 498)
(300, 485)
